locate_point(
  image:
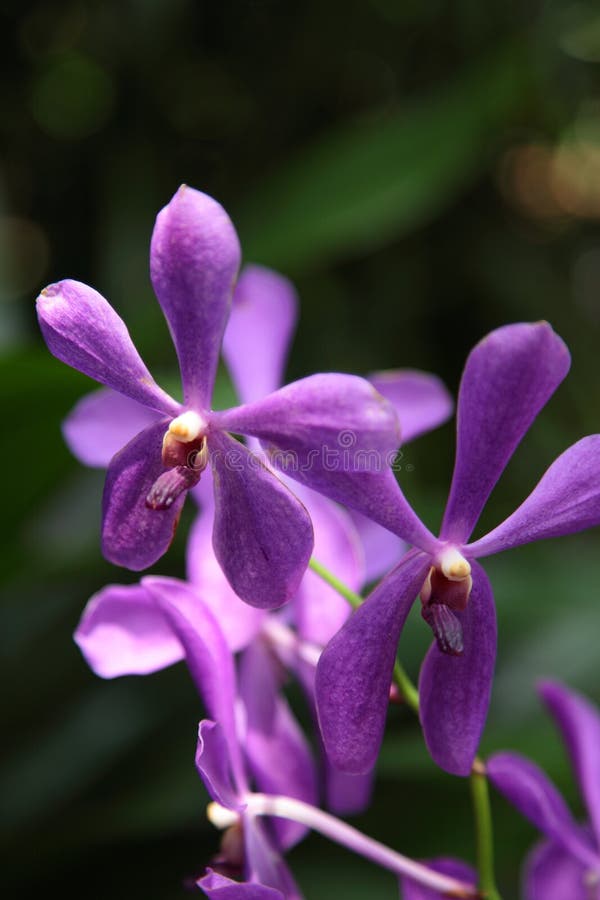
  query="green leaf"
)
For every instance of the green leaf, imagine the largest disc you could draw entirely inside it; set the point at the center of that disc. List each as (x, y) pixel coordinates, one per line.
(365, 183)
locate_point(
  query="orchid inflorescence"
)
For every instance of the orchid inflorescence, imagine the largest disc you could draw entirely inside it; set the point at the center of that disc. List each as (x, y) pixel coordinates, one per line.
(292, 523)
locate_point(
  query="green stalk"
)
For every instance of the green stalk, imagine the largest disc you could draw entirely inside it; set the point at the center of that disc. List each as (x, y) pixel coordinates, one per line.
(483, 831)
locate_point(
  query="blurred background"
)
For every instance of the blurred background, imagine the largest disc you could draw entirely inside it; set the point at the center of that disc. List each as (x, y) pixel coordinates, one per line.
(425, 171)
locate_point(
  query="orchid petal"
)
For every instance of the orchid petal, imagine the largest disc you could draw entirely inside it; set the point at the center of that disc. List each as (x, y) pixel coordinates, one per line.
(82, 330)
(579, 723)
(565, 500)
(342, 414)
(553, 874)
(265, 863)
(535, 796)
(123, 632)
(214, 765)
(455, 691)
(221, 888)
(508, 378)
(262, 536)
(101, 423)
(194, 261)
(259, 331)
(347, 795)
(455, 868)
(355, 669)
(133, 535)
(238, 621)
(421, 400)
(276, 749)
(206, 652)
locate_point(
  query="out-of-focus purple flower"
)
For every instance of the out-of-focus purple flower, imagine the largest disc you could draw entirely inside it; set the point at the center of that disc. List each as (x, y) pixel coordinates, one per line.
(262, 534)
(142, 628)
(508, 378)
(567, 863)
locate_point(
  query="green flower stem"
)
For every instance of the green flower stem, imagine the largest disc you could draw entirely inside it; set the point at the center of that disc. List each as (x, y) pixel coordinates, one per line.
(408, 690)
(355, 600)
(483, 831)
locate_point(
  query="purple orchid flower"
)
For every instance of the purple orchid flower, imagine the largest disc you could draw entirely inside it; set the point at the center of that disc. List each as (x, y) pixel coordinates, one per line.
(508, 378)
(262, 534)
(139, 629)
(567, 863)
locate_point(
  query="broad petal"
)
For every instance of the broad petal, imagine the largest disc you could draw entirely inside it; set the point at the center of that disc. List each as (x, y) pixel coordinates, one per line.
(265, 863)
(133, 535)
(259, 331)
(238, 621)
(455, 868)
(355, 669)
(263, 536)
(194, 261)
(278, 753)
(565, 500)
(123, 632)
(82, 330)
(509, 377)
(552, 874)
(101, 423)
(214, 765)
(455, 690)
(382, 548)
(579, 723)
(221, 888)
(421, 400)
(535, 797)
(319, 611)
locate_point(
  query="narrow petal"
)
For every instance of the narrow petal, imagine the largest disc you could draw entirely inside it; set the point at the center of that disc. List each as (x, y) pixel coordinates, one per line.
(319, 611)
(579, 723)
(262, 536)
(82, 330)
(455, 868)
(259, 331)
(455, 690)
(341, 414)
(553, 874)
(535, 796)
(101, 423)
(123, 632)
(238, 621)
(277, 751)
(133, 535)
(421, 400)
(509, 377)
(214, 766)
(265, 863)
(194, 261)
(382, 548)
(355, 670)
(206, 652)
(348, 795)
(221, 888)
(565, 500)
